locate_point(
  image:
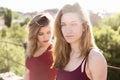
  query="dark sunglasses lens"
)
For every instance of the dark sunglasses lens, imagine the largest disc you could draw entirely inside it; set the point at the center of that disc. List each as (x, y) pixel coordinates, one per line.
(43, 20)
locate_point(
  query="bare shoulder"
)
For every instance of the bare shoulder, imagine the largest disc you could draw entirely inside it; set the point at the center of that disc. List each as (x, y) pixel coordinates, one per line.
(96, 54)
(97, 64)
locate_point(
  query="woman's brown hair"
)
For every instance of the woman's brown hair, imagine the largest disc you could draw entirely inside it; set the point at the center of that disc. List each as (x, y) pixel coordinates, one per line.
(39, 21)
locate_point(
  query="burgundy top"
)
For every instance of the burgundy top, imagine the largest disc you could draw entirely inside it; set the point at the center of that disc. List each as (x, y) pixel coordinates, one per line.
(39, 67)
(77, 74)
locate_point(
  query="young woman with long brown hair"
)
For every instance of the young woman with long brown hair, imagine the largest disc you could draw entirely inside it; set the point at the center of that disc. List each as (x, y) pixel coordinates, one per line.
(38, 54)
(75, 53)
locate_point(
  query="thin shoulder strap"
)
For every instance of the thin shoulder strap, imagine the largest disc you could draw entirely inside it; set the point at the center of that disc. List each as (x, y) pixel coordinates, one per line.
(83, 60)
(84, 66)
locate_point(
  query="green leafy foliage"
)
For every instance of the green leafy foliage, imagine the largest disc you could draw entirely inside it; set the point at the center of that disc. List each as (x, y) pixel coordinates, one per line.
(107, 38)
(7, 17)
(113, 21)
(12, 49)
(1, 12)
(17, 16)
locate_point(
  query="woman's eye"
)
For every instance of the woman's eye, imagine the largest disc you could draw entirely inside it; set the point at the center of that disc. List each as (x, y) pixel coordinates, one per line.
(40, 34)
(73, 24)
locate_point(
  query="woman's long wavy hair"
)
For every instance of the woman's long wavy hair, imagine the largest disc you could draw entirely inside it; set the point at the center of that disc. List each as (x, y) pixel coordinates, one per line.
(62, 49)
(41, 20)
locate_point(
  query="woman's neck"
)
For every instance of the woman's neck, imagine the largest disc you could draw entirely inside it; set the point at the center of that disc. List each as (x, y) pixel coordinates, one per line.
(75, 48)
(42, 46)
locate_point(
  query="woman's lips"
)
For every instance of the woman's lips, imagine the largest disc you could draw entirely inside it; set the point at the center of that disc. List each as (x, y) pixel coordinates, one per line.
(45, 41)
(69, 36)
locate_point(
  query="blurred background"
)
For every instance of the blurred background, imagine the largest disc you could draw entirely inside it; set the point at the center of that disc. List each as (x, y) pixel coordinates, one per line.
(15, 14)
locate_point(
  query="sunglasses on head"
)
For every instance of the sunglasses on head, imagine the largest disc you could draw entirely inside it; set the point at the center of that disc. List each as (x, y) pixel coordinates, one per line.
(42, 21)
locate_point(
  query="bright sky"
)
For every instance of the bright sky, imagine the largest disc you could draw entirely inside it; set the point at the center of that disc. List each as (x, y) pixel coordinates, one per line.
(40, 5)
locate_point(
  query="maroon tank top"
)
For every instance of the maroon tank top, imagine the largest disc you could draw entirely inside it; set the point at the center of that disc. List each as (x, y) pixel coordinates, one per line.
(77, 74)
(39, 67)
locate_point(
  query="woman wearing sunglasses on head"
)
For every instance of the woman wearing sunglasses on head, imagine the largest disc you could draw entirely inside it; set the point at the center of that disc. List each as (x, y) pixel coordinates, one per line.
(38, 53)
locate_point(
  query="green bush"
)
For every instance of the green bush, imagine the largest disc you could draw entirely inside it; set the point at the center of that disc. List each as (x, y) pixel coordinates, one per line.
(12, 49)
(108, 40)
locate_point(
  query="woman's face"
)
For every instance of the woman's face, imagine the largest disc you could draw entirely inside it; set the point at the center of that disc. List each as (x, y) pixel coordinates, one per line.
(44, 35)
(71, 27)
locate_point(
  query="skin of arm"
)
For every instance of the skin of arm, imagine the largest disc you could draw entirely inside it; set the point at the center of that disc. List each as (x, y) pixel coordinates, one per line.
(26, 76)
(97, 65)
